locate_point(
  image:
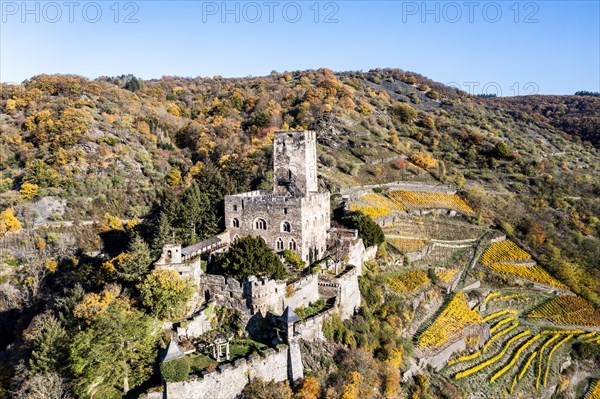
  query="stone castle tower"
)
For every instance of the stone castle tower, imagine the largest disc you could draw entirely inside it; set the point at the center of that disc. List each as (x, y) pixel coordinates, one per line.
(295, 163)
(295, 215)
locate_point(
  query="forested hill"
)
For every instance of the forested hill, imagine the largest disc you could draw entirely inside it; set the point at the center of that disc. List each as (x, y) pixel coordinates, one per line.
(577, 116)
(76, 149)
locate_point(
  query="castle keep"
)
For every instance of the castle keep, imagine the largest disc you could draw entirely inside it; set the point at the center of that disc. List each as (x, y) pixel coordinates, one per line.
(295, 215)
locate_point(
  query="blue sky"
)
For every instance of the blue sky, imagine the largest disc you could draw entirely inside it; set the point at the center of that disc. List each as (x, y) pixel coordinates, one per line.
(507, 47)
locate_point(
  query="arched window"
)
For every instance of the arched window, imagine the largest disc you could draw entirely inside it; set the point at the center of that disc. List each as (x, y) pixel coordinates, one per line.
(279, 244)
(286, 227)
(235, 222)
(260, 224)
(292, 245)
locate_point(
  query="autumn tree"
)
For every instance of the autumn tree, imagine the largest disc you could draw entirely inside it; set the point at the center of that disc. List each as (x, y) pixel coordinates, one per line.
(8, 222)
(165, 293)
(309, 390)
(115, 354)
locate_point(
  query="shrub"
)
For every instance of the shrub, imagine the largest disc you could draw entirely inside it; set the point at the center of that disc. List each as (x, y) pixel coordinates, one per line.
(176, 370)
(434, 95)
(328, 160)
(403, 113)
(349, 168)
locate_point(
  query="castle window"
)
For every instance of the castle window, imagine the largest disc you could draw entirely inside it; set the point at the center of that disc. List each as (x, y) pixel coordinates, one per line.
(292, 245)
(235, 222)
(285, 211)
(235, 207)
(286, 227)
(260, 224)
(279, 244)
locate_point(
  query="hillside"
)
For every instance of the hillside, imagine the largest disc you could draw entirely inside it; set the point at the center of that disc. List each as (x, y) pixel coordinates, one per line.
(86, 165)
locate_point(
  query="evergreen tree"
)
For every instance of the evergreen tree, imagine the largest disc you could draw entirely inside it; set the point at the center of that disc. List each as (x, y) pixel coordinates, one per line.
(197, 216)
(164, 234)
(133, 84)
(115, 354)
(250, 256)
(137, 262)
(368, 229)
(48, 341)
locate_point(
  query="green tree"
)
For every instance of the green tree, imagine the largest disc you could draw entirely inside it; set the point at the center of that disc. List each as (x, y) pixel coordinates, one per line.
(164, 233)
(48, 342)
(250, 256)
(165, 293)
(368, 230)
(115, 354)
(137, 262)
(133, 84)
(197, 215)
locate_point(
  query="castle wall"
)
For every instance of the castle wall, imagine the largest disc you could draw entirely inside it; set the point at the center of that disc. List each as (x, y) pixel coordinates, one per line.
(349, 294)
(229, 380)
(311, 328)
(224, 291)
(305, 291)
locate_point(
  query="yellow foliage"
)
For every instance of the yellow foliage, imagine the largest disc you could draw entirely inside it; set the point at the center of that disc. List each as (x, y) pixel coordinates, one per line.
(114, 264)
(9, 222)
(406, 245)
(409, 281)
(492, 360)
(504, 251)
(51, 265)
(500, 313)
(515, 357)
(351, 389)
(11, 105)
(568, 309)
(423, 160)
(174, 177)
(533, 273)
(29, 190)
(111, 222)
(446, 275)
(451, 321)
(93, 305)
(418, 200)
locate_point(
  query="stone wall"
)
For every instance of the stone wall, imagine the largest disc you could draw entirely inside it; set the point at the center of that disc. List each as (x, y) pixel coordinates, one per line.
(228, 381)
(295, 162)
(305, 291)
(311, 328)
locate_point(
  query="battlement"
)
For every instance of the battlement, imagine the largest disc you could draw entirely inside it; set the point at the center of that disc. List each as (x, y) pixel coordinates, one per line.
(229, 379)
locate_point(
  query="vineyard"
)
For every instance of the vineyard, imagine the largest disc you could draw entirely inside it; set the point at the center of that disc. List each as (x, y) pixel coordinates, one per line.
(568, 309)
(406, 245)
(446, 275)
(504, 252)
(409, 281)
(376, 206)
(594, 391)
(453, 319)
(531, 273)
(420, 200)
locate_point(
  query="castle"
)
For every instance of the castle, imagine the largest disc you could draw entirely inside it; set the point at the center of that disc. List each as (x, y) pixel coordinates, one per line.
(295, 215)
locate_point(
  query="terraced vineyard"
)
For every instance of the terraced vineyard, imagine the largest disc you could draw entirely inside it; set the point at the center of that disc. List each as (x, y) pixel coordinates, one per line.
(567, 309)
(409, 281)
(453, 319)
(376, 205)
(421, 200)
(531, 273)
(504, 252)
(406, 245)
